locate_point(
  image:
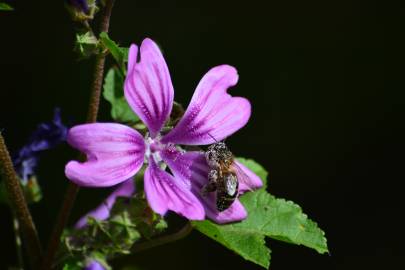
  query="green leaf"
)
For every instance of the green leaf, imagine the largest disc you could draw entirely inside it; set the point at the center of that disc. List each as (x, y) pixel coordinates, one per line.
(267, 216)
(86, 44)
(72, 266)
(130, 220)
(120, 54)
(114, 93)
(125, 51)
(281, 220)
(251, 246)
(6, 7)
(86, 38)
(137, 209)
(108, 238)
(256, 168)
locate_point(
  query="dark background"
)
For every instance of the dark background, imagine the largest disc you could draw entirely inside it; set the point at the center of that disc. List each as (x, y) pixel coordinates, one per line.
(325, 80)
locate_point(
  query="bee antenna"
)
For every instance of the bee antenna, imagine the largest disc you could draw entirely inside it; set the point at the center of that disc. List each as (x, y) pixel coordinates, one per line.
(212, 137)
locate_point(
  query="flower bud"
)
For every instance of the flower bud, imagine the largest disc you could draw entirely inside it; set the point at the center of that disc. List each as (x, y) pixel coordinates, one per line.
(94, 265)
(82, 10)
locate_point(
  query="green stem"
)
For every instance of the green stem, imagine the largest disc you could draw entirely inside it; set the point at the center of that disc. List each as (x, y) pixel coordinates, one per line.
(19, 206)
(71, 193)
(183, 232)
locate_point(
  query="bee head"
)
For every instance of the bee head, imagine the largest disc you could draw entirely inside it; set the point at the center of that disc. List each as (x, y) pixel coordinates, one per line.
(218, 147)
(217, 153)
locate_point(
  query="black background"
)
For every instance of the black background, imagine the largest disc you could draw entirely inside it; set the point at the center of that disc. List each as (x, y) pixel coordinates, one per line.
(326, 82)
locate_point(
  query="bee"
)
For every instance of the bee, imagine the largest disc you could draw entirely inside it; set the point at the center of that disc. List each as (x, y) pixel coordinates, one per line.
(223, 175)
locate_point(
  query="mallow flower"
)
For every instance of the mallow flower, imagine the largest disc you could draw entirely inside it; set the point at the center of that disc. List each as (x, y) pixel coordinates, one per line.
(116, 152)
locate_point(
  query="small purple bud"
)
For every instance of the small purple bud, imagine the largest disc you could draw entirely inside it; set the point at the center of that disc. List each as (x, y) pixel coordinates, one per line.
(81, 5)
(94, 265)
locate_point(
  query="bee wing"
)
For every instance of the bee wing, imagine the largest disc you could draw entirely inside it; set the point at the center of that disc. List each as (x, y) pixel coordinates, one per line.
(243, 178)
(248, 181)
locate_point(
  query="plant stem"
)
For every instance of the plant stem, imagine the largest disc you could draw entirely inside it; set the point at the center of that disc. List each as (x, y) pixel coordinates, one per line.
(183, 232)
(96, 89)
(19, 206)
(99, 68)
(71, 193)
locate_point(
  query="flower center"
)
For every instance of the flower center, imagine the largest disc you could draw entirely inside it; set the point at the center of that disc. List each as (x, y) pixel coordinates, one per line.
(153, 148)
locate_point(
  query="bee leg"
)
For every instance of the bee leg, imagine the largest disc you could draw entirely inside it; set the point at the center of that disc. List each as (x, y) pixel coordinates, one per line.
(212, 183)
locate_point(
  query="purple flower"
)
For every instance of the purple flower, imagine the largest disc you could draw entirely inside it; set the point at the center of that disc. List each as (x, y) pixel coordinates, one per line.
(116, 152)
(94, 265)
(46, 136)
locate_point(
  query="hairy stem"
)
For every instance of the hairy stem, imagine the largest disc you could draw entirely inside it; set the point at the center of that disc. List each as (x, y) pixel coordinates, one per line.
(71, 193)
(19, 206)
(99, 68)
(183, 232)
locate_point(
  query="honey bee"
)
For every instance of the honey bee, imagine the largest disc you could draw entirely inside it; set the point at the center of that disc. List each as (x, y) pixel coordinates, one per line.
(223, 175)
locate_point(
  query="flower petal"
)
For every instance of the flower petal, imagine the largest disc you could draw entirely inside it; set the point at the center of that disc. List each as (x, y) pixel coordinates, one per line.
(165, 192)
(102, 212)
(94, 265)
(115, 153)
(148, 86)
(184, 165)
(248, 180)
(192, 168)
(132, 57)
(213, 114)
(236, 212)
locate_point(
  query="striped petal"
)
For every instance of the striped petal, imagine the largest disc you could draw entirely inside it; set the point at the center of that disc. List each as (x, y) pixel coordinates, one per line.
(148, 86)
(236, 212)
(165, 192)
(213, 114)
(192, 168)
(248, 180)
(114, 152)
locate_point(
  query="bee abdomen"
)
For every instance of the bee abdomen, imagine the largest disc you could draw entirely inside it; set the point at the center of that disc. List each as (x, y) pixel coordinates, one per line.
(224, 203)
(227, 192)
